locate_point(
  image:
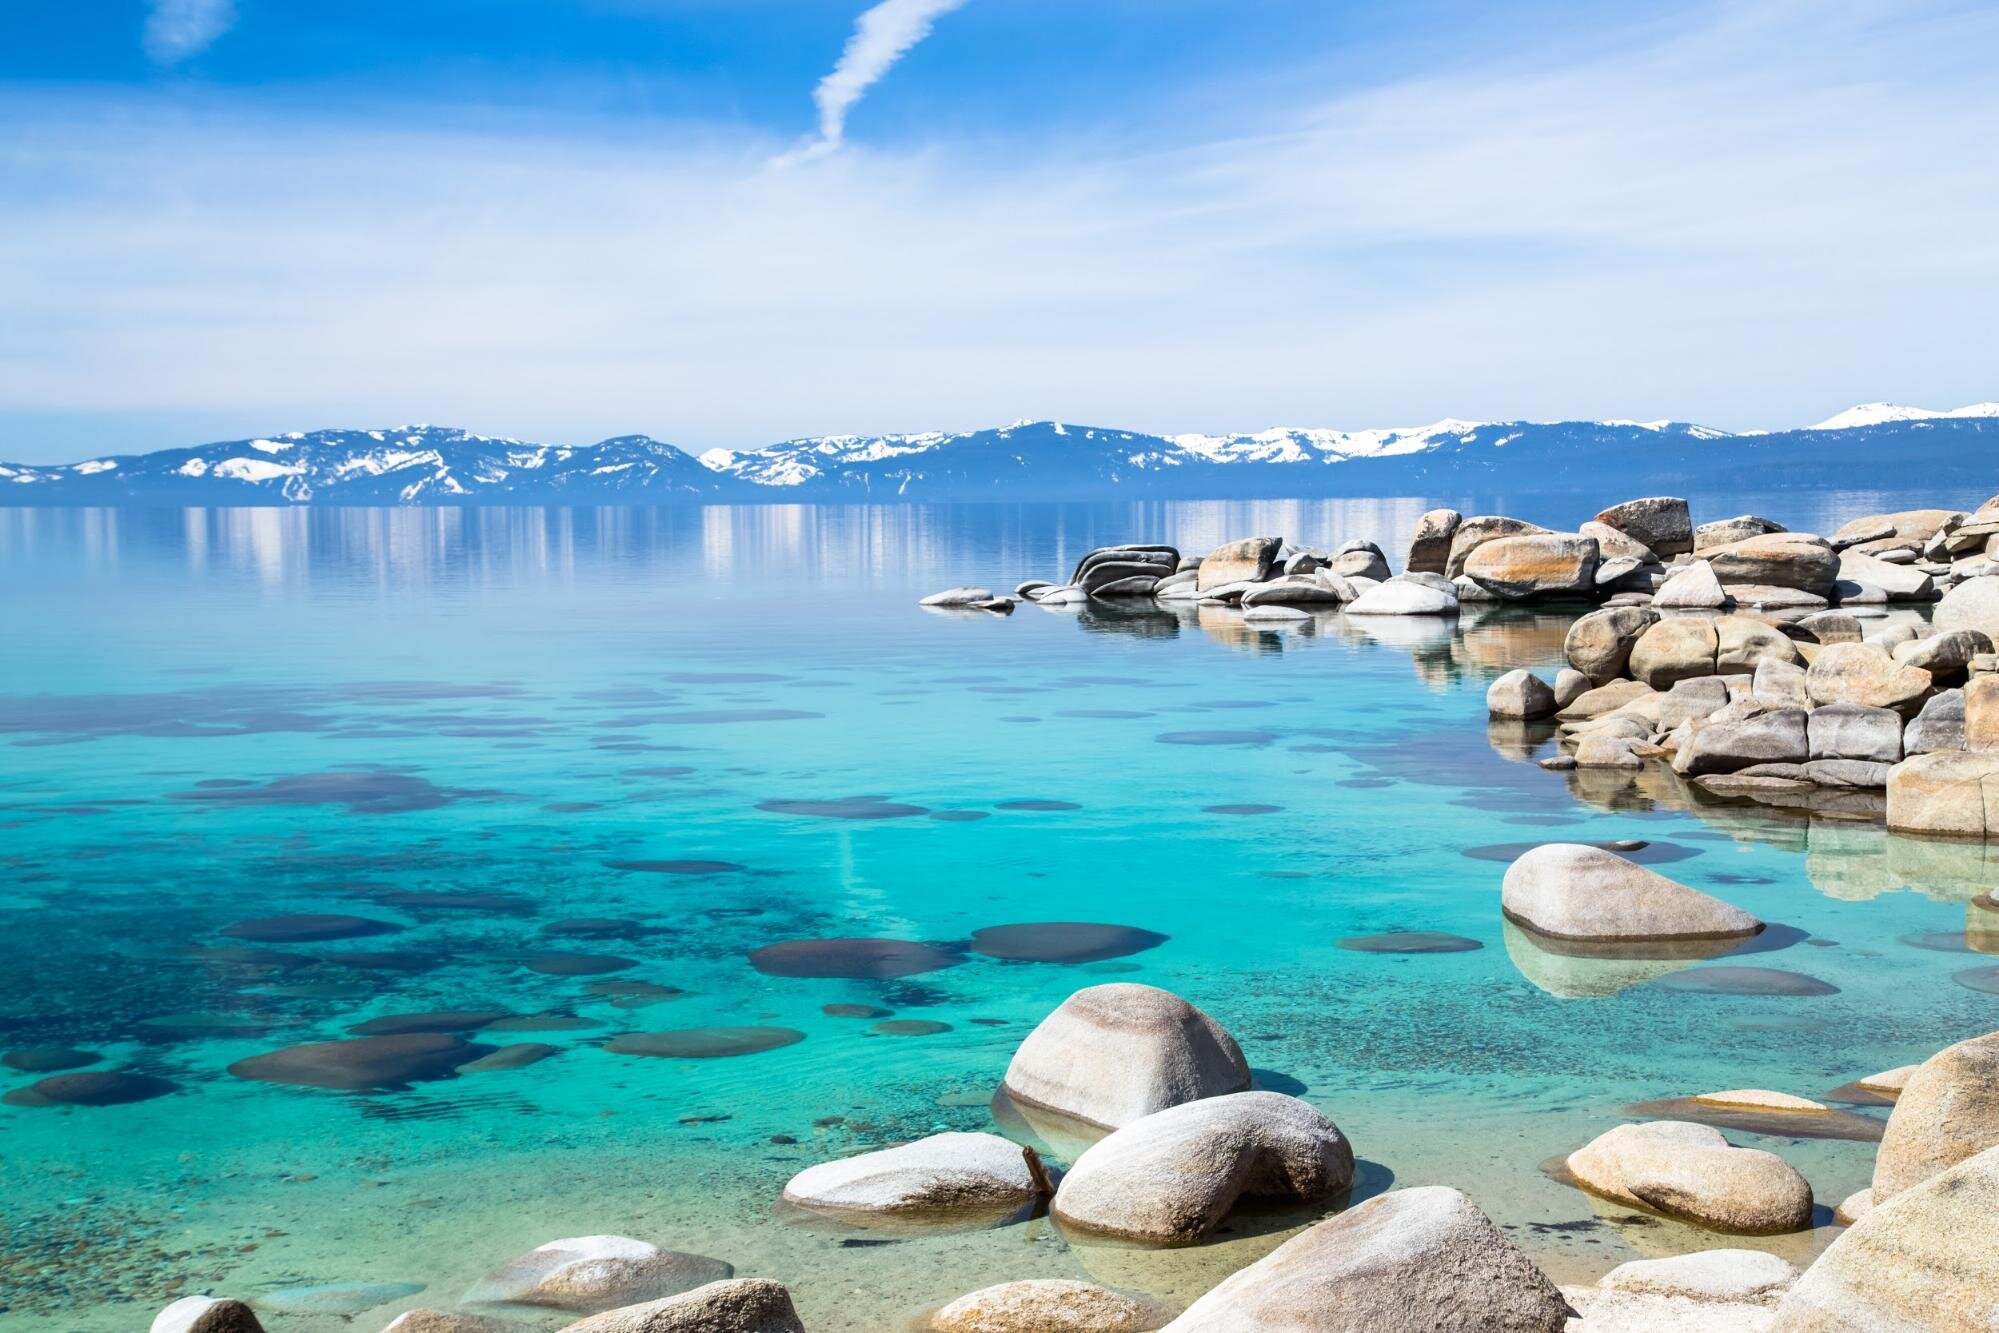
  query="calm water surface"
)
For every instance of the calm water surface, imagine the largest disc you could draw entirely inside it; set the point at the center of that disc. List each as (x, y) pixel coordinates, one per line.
(701, 732)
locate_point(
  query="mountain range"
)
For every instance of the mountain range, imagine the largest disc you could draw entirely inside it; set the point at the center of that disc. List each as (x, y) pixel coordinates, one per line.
(1877, 446)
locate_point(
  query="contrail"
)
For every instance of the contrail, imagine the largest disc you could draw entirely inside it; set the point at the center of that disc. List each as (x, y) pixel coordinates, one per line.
(881, 36)
(177, 29)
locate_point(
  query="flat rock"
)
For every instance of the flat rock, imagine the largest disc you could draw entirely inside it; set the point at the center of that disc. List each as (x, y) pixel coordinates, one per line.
(1113, 1053)
(1245, 561)
(1409, 1261)
(589, 1274)
(941, 1175)
(1577, 892)
(360, 1064)
(1535, 565)
(1706, 1275)
(1402, 598)
(1777, 737)
(1900, 582)
(739, 1305)
(1782, 560)
(1761, 1099)
(451, 1321)
(1692, 1172)
(959, 596)
(1169, 1178)
(344, 1299)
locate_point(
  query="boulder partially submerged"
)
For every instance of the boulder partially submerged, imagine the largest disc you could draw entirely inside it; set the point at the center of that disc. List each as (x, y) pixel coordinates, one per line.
(1111, 1054)
(1574, 891)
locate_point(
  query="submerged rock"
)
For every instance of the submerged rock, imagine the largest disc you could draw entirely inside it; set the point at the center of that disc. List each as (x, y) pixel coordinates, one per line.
(1169, 1178)
(101, 1087)
(938, 1176)
(1063, 941)
(588, 1274)
(1113, 1053)
(451, 1321)
(711, 1043)
(1410, 1261)
(854, 958)
(1693, 1173)
(740, 1305)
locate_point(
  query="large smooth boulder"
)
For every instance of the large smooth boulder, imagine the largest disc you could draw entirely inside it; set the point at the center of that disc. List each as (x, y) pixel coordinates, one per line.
(1409, 1261)
(206, 1314)
(1942, 654)
(1778, 560)
(1691, 1172)
(1245, 561)
(1775, 737)
(589, 1274)
(1362, 560)
(1921, 1262)
(941, 1174)
(1535, 565)
(1855, 731)
(1861, 673)
(1165, 556)
(1608, 698)
(1708, 1291)
(1675, 649)
(1171, 1177)
(1900, 582)
(1046, 1305)
(1981, 713)
(1122, 578)
(1402, 597)
(1947, 1111)
(744, 1305)
(1613, 544)
(1476, 531)
(1972, 604)
(1430, 543)
(1293, 590)
(1954, 793)
(1694, 588)
(1578, 892)
(1661, 522)
(1111, 1054)
(1779, 684)
(1728, 531)
(1742, 642)
(1520, 695)
(1599, 644)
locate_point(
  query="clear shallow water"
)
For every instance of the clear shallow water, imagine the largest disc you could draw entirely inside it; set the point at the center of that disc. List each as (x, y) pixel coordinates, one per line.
(208, 717)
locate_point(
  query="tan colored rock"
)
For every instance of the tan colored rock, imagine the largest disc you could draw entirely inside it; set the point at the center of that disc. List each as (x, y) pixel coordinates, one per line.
(1677, 648)
(1430, 544)
(1659, 522)
(1921, 1262)
(1607, 699)
(1570, 685)
(1779, 559)
(1778, 684)
(1578, 892)
(1854, 1206)
(1718, 1276)
(1599, 644)
(1860, 673)
(206, 1314)
(1409, 1261)
(744, 1305)
(1535, 565)
(1693, 1173)
(1760, 1099)
(1113, 1053)
(1245, 561)
(1744, 642)
(1524, 696)
(1889, 1082)
(1948, 1111)
(1722, 744)
(1170, 1178)
(592, 1273)
(1476, 531)
(1900, 582)
(452, 1321)
(1047, 1305)
(1981, 713)
(1954, 793)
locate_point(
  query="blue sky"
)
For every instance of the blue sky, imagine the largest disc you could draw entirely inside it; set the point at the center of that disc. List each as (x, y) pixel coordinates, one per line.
(575, 218)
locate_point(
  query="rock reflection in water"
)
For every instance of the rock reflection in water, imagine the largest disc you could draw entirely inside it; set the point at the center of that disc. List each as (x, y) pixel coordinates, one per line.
(1580, 970)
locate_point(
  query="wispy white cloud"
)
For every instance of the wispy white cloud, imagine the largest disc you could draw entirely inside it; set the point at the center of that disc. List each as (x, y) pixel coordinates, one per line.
(1752, 225)
(177, 29)
(882, 35)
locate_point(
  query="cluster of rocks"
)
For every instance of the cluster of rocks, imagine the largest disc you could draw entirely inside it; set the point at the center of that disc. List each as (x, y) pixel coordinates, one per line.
(1783, 698)
(1185, 1141)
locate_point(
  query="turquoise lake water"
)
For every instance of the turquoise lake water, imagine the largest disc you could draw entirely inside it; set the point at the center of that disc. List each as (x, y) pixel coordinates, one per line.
(472, 727)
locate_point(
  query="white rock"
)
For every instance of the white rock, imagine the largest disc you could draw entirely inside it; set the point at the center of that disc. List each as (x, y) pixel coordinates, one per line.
(964, 596)
(592, 1273)
(939, 1174)
(1402, 599)
(1574, 891)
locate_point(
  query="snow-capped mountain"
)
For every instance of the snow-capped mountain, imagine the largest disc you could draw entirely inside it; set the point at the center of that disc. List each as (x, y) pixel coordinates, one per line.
(1869, 447)
(1881, 414)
